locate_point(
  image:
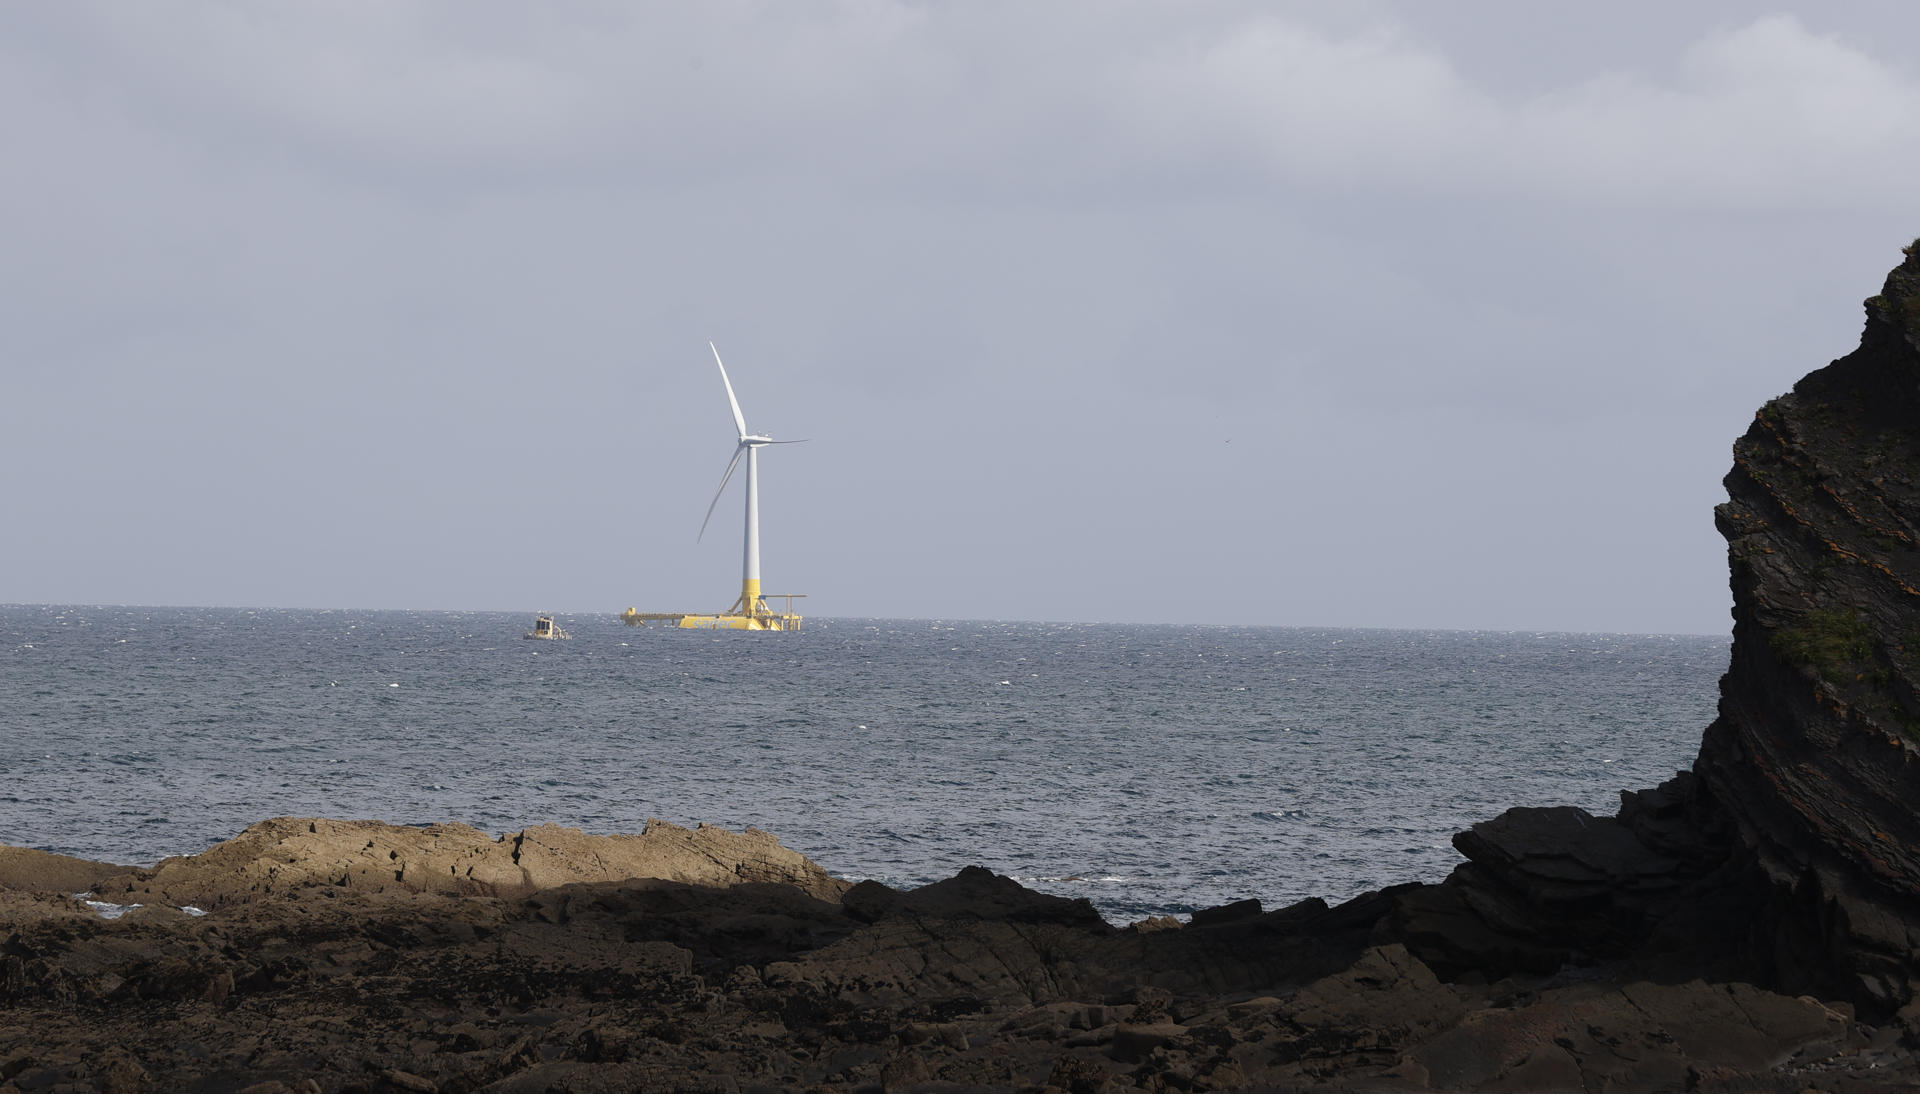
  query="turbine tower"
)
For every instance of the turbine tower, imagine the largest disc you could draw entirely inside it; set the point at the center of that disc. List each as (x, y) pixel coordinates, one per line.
(750, 612)
(751, 603)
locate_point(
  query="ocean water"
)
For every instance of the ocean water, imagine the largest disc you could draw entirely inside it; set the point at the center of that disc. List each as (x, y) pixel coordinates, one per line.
(1151, 769)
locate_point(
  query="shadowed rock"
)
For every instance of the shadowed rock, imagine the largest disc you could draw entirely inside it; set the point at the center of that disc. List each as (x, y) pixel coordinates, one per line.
(1813, 758)
(973, 893)
(1790, 856)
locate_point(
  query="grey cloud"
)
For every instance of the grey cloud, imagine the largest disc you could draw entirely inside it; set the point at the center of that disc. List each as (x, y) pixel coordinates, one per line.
(1760, 113)
(1218, 311)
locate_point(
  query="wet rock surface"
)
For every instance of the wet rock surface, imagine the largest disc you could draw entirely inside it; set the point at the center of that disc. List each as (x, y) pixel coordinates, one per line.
(1751, 925)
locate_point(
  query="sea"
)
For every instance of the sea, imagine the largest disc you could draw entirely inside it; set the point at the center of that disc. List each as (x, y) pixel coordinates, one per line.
(1153, 770)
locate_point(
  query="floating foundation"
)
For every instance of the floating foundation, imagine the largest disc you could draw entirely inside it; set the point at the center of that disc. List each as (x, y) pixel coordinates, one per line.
(746, 615)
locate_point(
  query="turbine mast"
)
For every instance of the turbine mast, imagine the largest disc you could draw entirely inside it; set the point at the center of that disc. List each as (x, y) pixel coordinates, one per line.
(750, 551)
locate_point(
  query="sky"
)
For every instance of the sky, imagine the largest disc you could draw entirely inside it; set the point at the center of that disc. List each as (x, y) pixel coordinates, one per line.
(1372, 314)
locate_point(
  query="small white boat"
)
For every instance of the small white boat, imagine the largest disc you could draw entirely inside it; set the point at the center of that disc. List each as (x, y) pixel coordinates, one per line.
(545, 627)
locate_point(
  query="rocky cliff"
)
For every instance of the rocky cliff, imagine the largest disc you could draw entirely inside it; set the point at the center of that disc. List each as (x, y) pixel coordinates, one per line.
(1813, 757)
(1790, 855)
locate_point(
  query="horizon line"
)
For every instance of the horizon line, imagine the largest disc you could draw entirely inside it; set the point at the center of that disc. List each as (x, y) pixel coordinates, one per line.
(615, 616)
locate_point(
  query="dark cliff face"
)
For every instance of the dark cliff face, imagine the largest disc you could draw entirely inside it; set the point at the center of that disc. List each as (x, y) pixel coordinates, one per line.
(1790, 856)
(1815, 758)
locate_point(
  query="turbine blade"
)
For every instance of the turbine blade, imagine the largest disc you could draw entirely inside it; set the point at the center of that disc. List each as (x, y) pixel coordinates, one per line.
(801, 440)
(739, 419)
(731, 464)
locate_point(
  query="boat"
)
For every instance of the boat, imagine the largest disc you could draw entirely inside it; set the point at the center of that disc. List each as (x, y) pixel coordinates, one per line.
(545, 627)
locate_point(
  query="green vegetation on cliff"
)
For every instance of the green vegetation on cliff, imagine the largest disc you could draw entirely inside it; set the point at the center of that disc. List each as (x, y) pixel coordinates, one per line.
(1835, 642)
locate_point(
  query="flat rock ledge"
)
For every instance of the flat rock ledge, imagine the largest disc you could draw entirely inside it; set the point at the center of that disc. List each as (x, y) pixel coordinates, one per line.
(288, 855)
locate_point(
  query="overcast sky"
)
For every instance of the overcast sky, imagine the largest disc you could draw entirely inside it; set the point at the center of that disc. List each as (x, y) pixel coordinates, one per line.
(1362, 314)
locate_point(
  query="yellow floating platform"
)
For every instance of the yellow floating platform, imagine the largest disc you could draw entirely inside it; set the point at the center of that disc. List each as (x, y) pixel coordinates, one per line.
(770, 621)
(761, 618)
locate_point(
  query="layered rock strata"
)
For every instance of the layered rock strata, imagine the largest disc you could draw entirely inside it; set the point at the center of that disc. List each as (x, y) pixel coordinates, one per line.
(1813, 757)
(1790, 855)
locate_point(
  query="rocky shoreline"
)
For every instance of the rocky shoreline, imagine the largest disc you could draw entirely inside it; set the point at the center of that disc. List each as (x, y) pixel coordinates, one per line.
(360, 956)
(1751, 925)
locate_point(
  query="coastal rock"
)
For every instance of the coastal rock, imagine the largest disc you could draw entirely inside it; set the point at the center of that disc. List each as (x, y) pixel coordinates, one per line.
(1639, 1036)
(1546, 888)
(1364, 1016)
(23, 868)
(974, 893)
(1813, 758)
(290, 854)
(1790, 855)
(654, 984)
(703, 855)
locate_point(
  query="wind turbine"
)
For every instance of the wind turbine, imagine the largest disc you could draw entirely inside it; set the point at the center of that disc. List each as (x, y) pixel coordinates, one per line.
(751, 604)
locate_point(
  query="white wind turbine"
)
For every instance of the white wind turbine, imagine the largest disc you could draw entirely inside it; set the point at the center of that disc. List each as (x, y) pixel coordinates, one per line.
(751, 602)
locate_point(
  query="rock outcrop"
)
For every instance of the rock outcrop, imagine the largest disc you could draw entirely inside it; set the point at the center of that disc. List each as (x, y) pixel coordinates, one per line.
(1790, 855)
(1813, 757)
(288, 854)
(24, 868)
